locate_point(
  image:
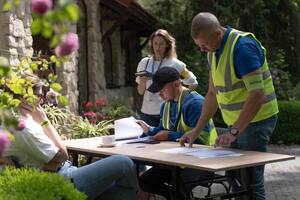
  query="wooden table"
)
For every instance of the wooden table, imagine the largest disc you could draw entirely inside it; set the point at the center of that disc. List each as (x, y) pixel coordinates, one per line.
(148, 154)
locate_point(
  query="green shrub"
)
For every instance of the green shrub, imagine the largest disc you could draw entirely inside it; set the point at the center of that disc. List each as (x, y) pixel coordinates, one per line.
(117, 109)
(71, 126)
(296, 91)
(19, 184)
(287, 130)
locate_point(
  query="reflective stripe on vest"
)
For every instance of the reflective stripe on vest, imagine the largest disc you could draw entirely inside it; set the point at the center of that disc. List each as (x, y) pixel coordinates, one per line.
(205, 137)
(166, 113)
(231, 91)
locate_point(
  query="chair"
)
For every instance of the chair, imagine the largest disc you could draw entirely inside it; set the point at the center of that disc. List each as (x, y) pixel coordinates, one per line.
(207, 182)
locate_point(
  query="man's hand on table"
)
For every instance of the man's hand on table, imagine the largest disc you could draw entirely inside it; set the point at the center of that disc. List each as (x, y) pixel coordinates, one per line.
(161, 136)
(189, 137)
(225, 140)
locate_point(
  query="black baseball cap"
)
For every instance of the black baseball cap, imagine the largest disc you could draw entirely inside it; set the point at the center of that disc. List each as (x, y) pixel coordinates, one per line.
(162, 77)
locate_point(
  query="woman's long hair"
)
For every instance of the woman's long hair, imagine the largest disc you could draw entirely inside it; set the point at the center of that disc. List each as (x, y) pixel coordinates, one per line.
(170, 51)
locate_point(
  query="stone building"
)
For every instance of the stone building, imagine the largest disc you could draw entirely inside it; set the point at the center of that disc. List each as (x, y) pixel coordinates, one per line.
(112, 34)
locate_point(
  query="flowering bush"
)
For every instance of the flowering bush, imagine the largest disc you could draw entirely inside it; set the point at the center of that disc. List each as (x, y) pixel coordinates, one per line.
(41, 6)
(52, 24)
(4, 141)
(281, 77)
(100, 110)
(93, 111)
(69, 44)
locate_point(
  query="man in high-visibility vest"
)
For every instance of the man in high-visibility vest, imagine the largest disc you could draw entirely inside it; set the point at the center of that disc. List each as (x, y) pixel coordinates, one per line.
(179, 114)
(241, 86)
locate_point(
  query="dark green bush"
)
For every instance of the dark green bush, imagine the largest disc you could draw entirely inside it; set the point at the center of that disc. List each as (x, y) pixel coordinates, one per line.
(20, 184)
(287, 130)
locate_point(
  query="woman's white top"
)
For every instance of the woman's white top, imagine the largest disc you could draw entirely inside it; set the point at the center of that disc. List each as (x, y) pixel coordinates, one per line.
(152, 102)
(31, 145)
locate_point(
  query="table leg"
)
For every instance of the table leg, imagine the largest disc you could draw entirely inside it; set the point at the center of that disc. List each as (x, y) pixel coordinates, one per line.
(75, 159)
(174, 190)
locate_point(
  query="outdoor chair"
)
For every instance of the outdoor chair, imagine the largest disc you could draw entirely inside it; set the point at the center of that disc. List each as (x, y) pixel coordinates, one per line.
(206, 182)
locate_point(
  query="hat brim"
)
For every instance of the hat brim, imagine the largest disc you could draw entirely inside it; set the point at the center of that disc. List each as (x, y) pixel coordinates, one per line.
(154, 88)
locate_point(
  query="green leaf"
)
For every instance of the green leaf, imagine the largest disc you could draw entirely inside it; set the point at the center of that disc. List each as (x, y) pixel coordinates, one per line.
(53, 58)
(73, 12)
(56, 87)
(30, 91)
(62, 3)
(47, 29)
(4, 71)
(17, 2)
(34, 66)
(54, 42)
(52, 78)
(4, 62)
(63, 100)
(36, 26)
(15, 102)
(7, 6)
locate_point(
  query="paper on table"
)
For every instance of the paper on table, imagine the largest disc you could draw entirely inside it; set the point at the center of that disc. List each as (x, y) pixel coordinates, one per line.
(127, 128)
(183, 150)
(213, 153)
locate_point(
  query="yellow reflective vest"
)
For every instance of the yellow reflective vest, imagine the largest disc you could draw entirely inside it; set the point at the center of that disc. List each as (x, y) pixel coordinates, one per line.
(230, 90)
(207, 138)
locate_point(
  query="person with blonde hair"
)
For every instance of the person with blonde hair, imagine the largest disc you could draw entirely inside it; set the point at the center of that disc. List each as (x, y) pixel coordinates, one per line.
(39, 145)
(162, 49)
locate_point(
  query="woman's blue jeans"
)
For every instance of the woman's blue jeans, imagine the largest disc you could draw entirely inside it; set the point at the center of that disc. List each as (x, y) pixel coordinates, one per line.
(110, 178)
(254, 138)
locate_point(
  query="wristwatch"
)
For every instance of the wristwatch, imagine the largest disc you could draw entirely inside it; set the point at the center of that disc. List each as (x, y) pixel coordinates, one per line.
(233, 131)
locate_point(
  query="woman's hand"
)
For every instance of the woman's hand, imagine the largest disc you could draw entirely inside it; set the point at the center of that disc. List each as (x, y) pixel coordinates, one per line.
(37, 113)
(193, 86)
(142, 84)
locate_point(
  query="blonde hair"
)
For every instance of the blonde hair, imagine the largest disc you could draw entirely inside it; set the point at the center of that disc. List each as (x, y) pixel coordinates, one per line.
(35, 80)
(170, 51)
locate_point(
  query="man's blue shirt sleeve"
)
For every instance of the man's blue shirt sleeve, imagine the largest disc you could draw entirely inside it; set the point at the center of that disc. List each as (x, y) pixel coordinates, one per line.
(248, 56)
(153, 130)
(192, 112)
(173, 135)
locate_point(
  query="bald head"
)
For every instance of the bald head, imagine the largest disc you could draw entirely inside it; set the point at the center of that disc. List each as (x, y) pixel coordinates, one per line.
(204, 21)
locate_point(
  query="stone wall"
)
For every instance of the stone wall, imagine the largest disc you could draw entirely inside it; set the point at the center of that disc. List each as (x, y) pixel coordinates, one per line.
(94, 69)
(16, 42)
(85, 70)
(15, 34)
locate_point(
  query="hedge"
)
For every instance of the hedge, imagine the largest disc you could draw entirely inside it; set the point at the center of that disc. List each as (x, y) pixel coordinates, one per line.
(287, 130)
(23, 183)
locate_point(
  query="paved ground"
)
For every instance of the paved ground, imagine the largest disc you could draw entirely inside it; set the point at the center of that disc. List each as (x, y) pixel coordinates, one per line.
(282, 179)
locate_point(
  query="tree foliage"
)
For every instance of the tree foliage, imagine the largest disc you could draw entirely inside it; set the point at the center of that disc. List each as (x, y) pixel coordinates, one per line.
(274, 22)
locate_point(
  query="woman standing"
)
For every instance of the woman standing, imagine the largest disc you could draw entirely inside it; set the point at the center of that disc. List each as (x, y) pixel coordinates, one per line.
(162, 54)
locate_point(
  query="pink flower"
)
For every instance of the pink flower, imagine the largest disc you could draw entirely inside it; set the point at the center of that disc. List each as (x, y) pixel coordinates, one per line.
(41, 6)
(21, 125)
(100, 102)
(4, 142)
(68, 46)
(90, 115)
(88, 105)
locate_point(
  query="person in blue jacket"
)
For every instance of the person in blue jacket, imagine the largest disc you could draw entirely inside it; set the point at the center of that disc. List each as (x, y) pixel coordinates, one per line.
(178, 114)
